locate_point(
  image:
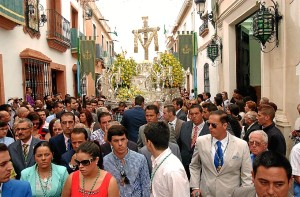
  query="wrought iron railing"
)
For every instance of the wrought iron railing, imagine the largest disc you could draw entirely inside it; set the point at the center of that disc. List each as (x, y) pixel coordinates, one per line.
(58, 27)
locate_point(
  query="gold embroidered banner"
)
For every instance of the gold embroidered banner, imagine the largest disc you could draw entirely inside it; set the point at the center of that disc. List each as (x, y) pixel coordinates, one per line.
(87, 57)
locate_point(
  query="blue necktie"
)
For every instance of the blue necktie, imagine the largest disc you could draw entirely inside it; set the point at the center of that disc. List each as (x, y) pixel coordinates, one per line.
(218, 161)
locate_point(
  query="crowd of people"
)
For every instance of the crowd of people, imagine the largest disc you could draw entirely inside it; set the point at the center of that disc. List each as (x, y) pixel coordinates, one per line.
(192, 146)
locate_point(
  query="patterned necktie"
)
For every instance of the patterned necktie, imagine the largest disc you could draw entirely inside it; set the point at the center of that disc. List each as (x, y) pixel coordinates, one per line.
(25, 151)
(218, 160)
(69, 144)
(195, 135)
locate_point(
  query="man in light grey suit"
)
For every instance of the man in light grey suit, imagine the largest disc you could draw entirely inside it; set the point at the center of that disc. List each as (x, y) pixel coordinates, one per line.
(21, 151)
(169, 115)
(189, 132)
(152, 115)
(221, 162)
(272, 176)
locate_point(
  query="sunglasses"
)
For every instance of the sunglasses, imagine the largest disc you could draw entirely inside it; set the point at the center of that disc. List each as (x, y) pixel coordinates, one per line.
(214, 125)
(124, 178)
(86, 162)
(251, 143)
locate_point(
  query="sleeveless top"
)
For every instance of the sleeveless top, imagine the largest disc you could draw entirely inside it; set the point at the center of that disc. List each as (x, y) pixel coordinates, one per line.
(101, 191)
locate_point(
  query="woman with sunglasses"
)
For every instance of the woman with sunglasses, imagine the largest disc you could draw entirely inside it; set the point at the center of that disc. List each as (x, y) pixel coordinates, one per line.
(45, 178)
(37, 122)
(90, 180)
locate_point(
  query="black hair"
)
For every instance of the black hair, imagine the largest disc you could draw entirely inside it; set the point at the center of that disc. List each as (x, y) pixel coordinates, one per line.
(79, 131)
(222, 114)
(178, 101)
(270, 159)
(196, 106)
(152, 107)
(103, 114)
(3, 147)
(42, 144)
(171, 108)
(118, 130)
(159, 134)
(139, 100)
(67, 114)
(209, 106)
(93, 149)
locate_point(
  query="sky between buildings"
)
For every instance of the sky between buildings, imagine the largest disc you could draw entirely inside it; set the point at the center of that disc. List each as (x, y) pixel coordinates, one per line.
(126, 15)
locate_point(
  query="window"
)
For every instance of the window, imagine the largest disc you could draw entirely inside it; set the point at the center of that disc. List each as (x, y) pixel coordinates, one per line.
(206, 78)
(37, 77)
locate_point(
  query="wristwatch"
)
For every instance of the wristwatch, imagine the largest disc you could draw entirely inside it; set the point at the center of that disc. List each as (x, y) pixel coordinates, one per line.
(73, 167)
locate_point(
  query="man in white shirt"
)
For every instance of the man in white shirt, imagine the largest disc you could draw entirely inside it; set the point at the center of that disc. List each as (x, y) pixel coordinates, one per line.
(168, 177)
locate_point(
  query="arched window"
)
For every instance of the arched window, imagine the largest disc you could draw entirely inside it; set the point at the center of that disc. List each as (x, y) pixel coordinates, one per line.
(206, 78)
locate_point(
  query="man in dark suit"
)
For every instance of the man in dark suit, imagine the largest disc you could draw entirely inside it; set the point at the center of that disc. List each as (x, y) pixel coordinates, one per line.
(62, 142)
(21, 151)
(272, 176)
(251, 123)
(78, 136)
(189, 132)
(169, 115)
(178, 103)
(134, 118)
(10, 188)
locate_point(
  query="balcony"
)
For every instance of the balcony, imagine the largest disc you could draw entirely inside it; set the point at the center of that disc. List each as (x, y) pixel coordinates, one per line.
(203, 29)
(58, 32)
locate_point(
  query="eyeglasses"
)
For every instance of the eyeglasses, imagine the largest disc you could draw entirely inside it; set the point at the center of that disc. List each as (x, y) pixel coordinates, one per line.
(214, 125)
(86, 162)
(251, 143)
(124, 178)
(21, 129)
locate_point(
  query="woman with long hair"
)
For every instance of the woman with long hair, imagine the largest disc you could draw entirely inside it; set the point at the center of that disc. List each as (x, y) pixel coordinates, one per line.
(37, 130)
(86, 118)
(54, 129)
(45, 178)
(90, 180)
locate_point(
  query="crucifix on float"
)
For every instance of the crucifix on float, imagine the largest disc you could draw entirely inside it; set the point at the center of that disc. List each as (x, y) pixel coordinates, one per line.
(152, 31)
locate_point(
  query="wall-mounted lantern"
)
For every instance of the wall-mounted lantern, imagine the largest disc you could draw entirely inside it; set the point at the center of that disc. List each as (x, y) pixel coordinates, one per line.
(265, 24)
(214, 48)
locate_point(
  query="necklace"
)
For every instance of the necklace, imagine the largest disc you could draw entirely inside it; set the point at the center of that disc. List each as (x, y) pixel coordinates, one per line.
(86, 192)
(154, 171)
(44, 187)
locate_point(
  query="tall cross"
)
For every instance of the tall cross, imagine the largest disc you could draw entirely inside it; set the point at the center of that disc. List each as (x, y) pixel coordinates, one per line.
(147, 40)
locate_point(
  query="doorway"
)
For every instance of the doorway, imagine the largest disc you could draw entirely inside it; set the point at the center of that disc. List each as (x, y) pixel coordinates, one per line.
(248, 61)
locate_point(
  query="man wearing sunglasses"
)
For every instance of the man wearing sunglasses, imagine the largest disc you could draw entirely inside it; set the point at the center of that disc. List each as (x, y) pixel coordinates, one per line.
(128, 167)
(221, 162)
(258, 143)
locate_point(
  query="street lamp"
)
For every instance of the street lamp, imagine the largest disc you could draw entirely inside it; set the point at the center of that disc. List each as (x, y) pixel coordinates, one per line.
(265, 24)
(200, 6)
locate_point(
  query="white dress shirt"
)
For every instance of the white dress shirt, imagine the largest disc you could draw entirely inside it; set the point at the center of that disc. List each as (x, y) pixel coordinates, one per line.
(224, 145)
(169, 179)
